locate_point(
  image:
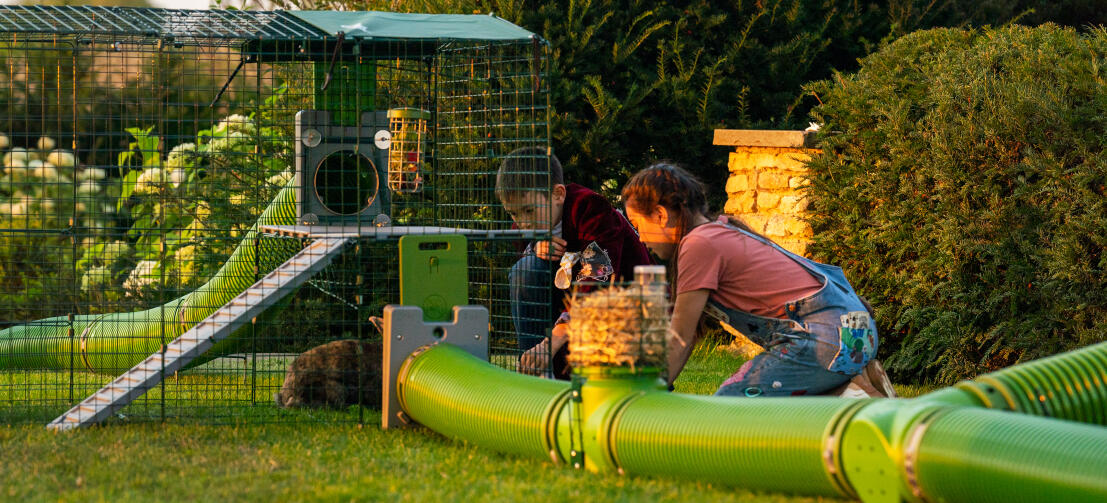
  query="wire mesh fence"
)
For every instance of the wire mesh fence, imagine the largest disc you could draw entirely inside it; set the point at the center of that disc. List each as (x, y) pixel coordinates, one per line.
(152, 156)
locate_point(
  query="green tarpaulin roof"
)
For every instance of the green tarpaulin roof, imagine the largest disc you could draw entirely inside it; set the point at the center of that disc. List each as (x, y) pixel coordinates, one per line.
(394, 25)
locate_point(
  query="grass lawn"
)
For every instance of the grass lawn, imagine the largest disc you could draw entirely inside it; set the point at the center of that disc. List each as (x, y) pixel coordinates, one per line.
(323, 457)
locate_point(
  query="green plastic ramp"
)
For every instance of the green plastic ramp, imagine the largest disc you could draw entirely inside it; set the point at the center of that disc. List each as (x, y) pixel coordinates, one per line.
(434, 274)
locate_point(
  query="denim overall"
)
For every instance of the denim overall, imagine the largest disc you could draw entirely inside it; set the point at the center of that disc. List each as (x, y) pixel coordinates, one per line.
(810, 352)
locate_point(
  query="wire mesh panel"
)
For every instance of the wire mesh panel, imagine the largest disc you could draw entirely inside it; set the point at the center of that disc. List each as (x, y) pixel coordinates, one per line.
(149, 155)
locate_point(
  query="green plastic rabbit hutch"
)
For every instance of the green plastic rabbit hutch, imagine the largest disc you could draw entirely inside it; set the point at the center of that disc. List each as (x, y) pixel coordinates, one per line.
(250, 174)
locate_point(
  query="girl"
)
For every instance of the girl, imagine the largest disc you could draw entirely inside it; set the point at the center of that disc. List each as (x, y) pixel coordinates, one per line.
(816, 331)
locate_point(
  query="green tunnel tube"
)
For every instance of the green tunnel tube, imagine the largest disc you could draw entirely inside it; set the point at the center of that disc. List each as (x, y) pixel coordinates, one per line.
(1071, 386)
(114, 342)
(877, 450)
(971, 454)
(460, 396)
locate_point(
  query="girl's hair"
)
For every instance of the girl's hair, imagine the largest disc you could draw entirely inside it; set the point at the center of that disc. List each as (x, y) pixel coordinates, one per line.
(668, 185)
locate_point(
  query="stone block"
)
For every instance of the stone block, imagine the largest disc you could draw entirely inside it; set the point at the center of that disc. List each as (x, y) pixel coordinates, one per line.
(797, 246)
(796, 182)
(794, 161)
(793, 204)
(755, 221)
(740, 202)
(772, 180)
(765, 160)
(737, 183)
(776, 227)
(796, 227)
(767, 200)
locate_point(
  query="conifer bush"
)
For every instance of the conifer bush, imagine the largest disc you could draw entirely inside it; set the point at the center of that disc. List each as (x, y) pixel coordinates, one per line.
(962, 186)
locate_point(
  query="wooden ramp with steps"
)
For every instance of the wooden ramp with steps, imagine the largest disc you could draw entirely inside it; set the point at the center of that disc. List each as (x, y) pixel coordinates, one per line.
(202, 336)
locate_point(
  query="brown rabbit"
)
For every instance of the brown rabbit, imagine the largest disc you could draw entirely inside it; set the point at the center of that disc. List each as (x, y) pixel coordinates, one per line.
(329, 376)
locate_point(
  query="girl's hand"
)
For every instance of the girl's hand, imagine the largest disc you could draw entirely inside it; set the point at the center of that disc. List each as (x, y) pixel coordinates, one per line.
(550, 250)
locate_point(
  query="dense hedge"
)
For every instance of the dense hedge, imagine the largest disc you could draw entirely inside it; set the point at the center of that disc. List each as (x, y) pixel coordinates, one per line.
(962, 186)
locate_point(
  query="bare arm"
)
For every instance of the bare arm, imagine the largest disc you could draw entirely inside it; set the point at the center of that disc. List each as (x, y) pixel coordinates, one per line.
(686, 316)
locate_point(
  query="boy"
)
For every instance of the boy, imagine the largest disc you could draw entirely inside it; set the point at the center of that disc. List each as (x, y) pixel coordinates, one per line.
(577, 217)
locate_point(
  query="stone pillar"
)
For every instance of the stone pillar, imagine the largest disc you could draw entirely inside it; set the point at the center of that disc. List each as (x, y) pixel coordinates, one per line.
(765, 186)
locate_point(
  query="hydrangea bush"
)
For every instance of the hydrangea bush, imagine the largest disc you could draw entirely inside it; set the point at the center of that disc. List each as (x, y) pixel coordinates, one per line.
(163, 225)
(190, 210)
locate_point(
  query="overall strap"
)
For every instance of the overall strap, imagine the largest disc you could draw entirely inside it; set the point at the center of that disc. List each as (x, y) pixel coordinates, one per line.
(759, 329)
(808, 265)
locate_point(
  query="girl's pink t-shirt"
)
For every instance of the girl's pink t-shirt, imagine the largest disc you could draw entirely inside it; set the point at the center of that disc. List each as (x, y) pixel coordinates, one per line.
(741, 272)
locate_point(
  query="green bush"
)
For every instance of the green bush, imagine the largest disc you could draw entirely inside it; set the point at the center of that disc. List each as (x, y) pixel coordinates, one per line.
(962, 187)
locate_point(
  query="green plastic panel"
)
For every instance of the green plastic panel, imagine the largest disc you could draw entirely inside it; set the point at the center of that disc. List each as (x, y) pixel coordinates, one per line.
(350, 90)
(434, 274)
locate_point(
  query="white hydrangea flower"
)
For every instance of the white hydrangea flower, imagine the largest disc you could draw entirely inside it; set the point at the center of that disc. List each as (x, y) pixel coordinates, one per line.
(182, 156)
(45, 172)
(115, 249)
(88, 187)
(96, 278)
(280, 179)
(62, 158)
(232, 142)
(177, 177)
(150, 181)
(143, 275)
(16, 209)
(235, 123)
(17, 155)
(92, 174)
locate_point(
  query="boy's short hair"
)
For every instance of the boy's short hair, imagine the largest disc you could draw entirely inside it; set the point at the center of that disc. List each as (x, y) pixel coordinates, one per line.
(525, 170)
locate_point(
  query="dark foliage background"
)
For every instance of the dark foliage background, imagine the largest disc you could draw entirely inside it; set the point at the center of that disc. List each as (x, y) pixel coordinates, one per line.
(962, 186)
(638, 80)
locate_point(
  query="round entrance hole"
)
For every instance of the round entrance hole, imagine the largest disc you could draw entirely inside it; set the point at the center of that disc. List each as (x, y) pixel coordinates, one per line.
(346, 182)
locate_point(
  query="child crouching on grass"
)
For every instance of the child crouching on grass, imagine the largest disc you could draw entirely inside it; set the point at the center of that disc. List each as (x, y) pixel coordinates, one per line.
(818, 334)
(531, 186)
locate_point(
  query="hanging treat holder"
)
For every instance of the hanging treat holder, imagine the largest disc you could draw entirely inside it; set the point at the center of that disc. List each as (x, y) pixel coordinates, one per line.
(408, 150)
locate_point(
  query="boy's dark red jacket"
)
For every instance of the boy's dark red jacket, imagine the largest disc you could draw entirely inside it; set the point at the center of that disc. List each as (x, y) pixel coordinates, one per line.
(587, 217)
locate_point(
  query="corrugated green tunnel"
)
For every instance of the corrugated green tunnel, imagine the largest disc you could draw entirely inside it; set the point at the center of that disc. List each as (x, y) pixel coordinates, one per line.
(985, 455)
(460, 396)
(775, 444)
(948, 449)
(1071, 386)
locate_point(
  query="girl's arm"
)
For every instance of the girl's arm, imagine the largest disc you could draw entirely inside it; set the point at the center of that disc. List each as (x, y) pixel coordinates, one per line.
(686, 317)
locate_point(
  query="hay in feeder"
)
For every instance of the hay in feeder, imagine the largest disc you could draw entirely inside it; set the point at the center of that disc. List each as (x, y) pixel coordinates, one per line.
(618, 327)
